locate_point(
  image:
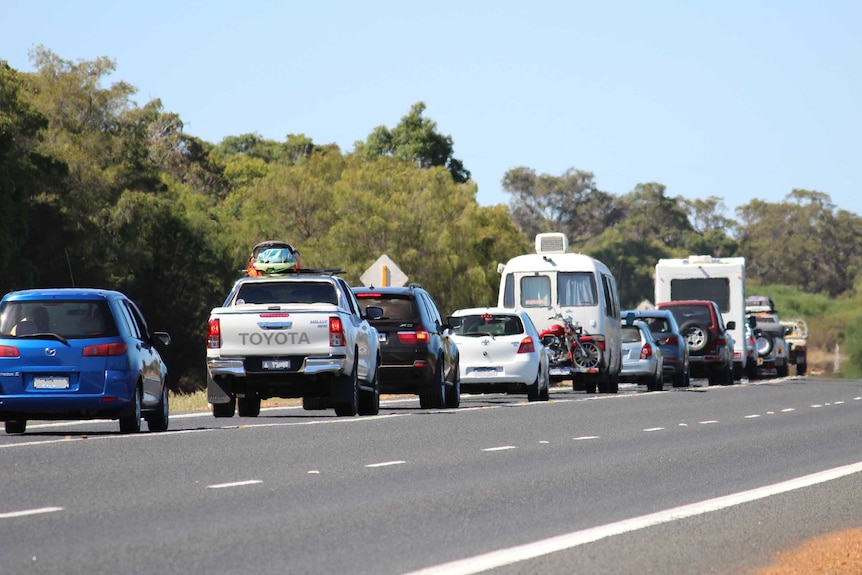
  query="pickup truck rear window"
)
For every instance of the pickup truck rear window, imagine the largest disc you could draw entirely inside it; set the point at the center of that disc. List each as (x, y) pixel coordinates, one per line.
(287, 292)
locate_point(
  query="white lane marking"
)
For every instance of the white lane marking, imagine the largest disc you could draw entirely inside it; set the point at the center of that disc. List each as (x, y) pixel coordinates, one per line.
(487, 561)
(501, 448)
(788, 409)
(654, 429)
(234, 484)
(753, 416)
(816, 405)
(838, 403)
(386, 463)
(709, 421)
(585, 437)
(26, 512)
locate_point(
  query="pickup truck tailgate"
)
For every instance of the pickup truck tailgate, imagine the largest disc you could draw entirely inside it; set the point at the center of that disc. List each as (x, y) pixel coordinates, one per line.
(259, 330)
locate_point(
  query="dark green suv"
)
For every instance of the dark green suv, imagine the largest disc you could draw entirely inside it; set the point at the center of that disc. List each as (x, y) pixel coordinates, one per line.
(417, 355)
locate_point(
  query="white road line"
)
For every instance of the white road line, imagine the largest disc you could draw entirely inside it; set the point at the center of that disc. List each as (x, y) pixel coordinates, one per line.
(753, 416)
(654, 429)
(501, 448)
(234, 484)
(386, 463)
(709, 421)
(585, 437)
(788, 410)
(26, 512)
(519, 553)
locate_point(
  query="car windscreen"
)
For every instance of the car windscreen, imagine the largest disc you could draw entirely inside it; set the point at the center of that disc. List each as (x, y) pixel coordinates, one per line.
(490, 324)
(71, 319)
(631, 334)
(396, 307)
(286, 292)
(687, 313)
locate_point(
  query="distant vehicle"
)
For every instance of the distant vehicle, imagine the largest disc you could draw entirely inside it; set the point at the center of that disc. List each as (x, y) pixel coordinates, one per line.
(418, 356)
(642, 359)
(674, 349)
(796, 336)
(710, 344)
(500, 351)
(554, 286)
(768, 334)
(72, 353)
(722, 280)
(298, 334)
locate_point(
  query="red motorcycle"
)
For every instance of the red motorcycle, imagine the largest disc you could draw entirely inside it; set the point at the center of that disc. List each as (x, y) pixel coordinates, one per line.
(570, 350)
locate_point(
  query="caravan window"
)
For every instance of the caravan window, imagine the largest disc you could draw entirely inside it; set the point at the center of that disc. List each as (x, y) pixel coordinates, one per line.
(535, 291)
(576, 288)
(715, 289)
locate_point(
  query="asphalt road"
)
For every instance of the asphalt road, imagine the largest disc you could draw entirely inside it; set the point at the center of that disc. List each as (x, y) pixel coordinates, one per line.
(706, 480)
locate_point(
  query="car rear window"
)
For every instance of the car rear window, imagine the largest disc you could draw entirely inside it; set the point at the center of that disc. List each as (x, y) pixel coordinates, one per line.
(490, 324)
(286, 292)
(71, 319)
(396, 307)
(631, 334)
(686, 313)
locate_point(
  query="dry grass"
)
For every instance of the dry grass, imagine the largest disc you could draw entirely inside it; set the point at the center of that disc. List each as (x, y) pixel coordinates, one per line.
(837, 554)
(198, 402)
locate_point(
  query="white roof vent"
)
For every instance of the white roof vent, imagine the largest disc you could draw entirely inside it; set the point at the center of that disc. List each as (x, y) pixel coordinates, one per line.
(552, 243)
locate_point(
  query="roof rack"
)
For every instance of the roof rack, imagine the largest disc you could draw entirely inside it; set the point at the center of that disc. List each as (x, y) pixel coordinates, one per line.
(301, 271)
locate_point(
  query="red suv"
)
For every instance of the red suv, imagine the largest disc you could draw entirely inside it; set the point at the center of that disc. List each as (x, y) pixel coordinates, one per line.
(710, 344)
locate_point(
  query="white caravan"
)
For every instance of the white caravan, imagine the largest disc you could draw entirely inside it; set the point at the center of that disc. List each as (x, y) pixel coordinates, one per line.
(704, 277)
(553, 285)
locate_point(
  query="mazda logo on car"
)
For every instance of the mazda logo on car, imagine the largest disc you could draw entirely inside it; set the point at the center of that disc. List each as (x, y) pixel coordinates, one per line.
(50, 351)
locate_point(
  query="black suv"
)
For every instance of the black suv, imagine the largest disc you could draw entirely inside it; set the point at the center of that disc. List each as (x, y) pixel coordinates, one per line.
(709, 341)
(416, 352)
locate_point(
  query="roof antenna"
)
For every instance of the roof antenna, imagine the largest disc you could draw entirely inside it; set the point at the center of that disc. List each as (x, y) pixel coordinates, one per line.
(69, 263)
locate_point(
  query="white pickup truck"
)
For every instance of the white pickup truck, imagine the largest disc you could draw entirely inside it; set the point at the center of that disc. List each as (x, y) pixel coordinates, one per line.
(298, 335)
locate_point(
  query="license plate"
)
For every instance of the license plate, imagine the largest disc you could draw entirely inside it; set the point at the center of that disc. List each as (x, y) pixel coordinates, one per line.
(484, 371)
(51, 382)
(560, 371)
(381, 337)
(276, 364)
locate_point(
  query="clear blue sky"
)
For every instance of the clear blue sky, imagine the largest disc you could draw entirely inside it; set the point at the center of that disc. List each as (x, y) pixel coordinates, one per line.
(730, 98)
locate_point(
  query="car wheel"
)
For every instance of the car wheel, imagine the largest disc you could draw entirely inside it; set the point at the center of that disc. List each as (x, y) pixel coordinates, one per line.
(587, 356)
(801, 368)
(727, 378)
(656, 382)
(349, 408)
(158, 421)
(434, 397)
(696, 334)
(680, 379)
(225, 409)
(609, 384)
(453, 394)
(369, 401)
(533, 393)
(130, 421)
(16, 425)
(248, 406)
(783, 371)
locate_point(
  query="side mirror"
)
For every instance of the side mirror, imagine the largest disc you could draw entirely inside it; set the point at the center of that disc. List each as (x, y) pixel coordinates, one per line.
(162, 337)
(373, 312)
(752, 321)
(731, 325)
(454, 322)
(630, 318)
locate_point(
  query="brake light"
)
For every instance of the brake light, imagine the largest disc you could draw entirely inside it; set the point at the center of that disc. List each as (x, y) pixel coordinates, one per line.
(368, 294)
(214, 334)
(419, 336)
(672, 340)
(9, 351)
(527, 345)
(104, 349)
(336, 332)
(646, 351)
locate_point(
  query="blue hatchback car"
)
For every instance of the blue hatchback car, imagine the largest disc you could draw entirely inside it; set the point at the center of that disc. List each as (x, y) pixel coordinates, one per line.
(73, 353)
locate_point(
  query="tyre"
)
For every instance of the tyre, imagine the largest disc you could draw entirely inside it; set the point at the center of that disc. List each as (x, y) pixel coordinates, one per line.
(656, 382)
(533, 393)
(225, 409)
(349, 408)
(248, 406)
(587, 356)
(680, 379)
(453, 394)
(130, 421)
(609, 384)
(16, 425)
(727, 376)
(158, 420)
(801, 368)
(696, 334)
(369, 401)
(434, 397)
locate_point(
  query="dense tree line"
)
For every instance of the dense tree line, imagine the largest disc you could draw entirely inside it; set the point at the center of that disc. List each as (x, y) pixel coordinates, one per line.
(96, 190)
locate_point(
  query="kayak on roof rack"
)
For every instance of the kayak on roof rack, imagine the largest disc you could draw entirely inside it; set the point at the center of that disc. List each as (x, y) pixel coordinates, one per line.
(272, 257)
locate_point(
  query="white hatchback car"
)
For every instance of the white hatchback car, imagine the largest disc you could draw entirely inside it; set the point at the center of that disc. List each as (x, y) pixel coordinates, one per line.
(642, 358)
(500, 351)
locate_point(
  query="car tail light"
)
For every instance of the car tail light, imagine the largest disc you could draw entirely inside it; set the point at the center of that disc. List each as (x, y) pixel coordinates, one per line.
(419, 336)
(214, 334)
(646, 351)
(9, 351)
(672, 340)
(104, 349)
(336, 332)
(527, 345)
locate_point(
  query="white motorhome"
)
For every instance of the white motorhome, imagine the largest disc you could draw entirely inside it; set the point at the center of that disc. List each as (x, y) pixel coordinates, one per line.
(553, 285)
(704, 277)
